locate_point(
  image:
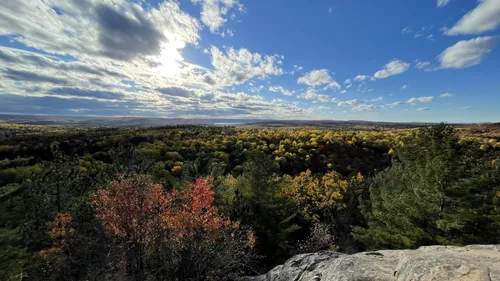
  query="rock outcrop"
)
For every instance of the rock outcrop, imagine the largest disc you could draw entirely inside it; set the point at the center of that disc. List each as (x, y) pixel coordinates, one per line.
(439, 263)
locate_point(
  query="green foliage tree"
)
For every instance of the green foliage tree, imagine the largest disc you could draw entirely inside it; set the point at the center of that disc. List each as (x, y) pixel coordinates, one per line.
(439, 190)
(251, 199)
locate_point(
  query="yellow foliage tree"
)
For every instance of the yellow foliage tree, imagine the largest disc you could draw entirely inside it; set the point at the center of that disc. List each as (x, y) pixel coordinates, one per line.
(315, 195)
(177, 170)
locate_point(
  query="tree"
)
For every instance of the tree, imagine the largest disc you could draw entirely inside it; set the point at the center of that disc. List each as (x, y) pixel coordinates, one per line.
(177, 170)
(439, 190)
(251, 198)
(315, 196)
(327, 200)
(178, 233)
(46, 194)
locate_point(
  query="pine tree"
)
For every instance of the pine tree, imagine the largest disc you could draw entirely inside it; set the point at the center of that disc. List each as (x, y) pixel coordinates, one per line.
(439, 190)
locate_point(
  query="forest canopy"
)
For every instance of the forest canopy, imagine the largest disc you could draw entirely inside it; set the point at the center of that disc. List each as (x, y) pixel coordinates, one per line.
(215, 203)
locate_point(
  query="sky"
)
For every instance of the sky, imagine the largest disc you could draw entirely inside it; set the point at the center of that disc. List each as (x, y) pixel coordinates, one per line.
(391, 60)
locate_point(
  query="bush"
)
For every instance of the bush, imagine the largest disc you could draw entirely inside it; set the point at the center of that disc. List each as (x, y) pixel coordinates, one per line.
(320, 238)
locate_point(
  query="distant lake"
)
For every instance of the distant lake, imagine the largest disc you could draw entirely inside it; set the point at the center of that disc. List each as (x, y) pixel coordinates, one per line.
(228, 123)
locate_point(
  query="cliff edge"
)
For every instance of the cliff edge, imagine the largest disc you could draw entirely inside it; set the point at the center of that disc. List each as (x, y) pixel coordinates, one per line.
(443, 263)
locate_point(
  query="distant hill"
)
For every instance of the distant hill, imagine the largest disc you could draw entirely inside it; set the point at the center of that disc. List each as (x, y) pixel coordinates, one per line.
(150, 122)
(336, 123)
(100, 121)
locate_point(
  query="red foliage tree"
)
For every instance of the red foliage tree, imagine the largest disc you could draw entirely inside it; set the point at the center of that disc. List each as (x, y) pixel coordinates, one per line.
(190, 212)
(144, 219)
(130, 209)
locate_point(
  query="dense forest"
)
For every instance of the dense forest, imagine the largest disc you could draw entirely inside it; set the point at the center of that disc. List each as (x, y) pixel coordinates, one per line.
(215, 203)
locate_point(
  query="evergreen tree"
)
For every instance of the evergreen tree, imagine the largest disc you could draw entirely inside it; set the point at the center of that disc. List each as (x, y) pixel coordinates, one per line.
(438, 191)
(254, 203)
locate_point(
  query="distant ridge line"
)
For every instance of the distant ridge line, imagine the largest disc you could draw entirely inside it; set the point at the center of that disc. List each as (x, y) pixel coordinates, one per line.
(133, 121)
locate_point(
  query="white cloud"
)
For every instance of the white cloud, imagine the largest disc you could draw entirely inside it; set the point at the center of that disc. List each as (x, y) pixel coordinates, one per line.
(349, 103)
(362, 89)
(361, 86)
(361, 77)
(395, 104)
(392, 68)
(227, 32)
(419, 32)
(90, 88)
(446, 95)
(423, 109)
(111, 79)
(330, 9)
(365, 107)
(126, 77)
(414, 101)
(422, 64)
(467, 53)
(213, 13)
(318, 78)
(296, 68)
(280, 89)
(404, 87)
(485, 17)
(348, 83)
(377, 99)
(312, 94)
(407, 30)
(238, 66)
(357, 105)
(254, 89)
(467, 107)
(88, 28)
(442, 3)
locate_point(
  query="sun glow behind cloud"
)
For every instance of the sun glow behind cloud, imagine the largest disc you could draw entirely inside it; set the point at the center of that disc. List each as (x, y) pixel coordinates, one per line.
(170, 60)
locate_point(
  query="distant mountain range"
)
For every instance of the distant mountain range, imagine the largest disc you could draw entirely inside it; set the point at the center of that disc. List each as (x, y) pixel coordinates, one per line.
(146, 121)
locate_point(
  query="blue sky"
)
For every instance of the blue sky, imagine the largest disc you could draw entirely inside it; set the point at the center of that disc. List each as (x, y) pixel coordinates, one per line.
(393, 60)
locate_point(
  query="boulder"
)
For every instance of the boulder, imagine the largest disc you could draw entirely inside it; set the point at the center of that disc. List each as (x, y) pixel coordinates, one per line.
(439, 263)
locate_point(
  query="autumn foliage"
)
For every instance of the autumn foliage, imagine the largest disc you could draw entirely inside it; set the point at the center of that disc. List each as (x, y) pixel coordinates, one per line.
(130, 209)
(144, 218)
(60, 231)
(136, 210)
(278, 190)
(315, 195)
(190, 212)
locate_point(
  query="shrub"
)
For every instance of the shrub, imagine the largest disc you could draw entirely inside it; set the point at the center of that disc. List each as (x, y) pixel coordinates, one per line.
(320, 238)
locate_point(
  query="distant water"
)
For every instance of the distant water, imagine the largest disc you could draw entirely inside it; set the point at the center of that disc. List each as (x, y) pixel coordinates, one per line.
(228, 123)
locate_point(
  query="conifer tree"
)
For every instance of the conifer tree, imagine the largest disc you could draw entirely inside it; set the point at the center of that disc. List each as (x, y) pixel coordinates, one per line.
(439, 190)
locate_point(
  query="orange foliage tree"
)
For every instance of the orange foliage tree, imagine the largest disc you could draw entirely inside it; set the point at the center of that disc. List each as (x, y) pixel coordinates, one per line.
(60, 232)
(130, 210)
